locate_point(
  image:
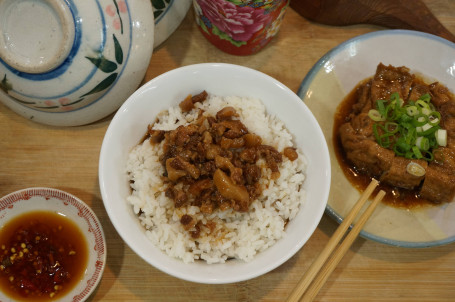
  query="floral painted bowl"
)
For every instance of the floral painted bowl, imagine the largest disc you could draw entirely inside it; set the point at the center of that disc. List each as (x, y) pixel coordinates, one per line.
(67, 62)
(168, 15)
(239, 27)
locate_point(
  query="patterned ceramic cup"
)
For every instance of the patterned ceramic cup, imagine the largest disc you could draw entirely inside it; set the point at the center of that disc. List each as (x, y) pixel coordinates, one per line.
(239, 27)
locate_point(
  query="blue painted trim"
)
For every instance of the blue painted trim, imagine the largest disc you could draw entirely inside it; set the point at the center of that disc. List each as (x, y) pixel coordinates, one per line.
(69, 60)
(105, 94)
(59, 70)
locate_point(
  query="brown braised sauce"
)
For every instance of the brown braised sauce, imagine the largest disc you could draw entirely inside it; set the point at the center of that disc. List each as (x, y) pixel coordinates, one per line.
(395, 196)
(43, 255)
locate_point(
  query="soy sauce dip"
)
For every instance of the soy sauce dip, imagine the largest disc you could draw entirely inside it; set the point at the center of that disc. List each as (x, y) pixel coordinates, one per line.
(43, 255)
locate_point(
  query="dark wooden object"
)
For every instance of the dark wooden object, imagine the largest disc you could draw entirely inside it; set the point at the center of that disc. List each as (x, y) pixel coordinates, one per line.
(399, 14)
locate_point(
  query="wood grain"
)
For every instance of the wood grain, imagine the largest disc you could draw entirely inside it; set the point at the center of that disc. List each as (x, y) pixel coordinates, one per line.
(67, 158)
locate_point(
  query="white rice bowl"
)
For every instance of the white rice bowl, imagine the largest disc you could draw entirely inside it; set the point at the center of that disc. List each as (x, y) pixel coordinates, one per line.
(260, 242)
(237, 235)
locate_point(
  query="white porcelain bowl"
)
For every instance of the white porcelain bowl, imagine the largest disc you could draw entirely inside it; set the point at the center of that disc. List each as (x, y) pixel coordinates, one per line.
(333, 77)
(168, 16)
(64, 204)
(130, 123)
(67, 62)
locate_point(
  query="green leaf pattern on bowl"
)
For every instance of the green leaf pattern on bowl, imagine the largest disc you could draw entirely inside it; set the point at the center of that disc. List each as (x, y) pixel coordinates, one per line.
(159, 7)
(5, 85)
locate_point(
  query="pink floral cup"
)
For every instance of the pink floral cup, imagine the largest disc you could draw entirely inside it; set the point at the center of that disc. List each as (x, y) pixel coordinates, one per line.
(239, 27)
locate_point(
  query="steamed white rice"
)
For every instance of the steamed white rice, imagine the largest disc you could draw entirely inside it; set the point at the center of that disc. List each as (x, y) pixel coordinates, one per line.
(237, 235)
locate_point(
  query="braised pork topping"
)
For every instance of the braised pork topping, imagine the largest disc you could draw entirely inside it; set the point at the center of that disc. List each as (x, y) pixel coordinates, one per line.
(214, 163)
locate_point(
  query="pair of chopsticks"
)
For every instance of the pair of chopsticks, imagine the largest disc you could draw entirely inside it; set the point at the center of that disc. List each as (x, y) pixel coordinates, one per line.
(310, 284)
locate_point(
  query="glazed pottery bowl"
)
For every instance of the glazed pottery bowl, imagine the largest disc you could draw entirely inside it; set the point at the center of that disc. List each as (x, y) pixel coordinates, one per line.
(327, 84)
(130, 123)
(69, 208)
(168, 15)
(68, 63)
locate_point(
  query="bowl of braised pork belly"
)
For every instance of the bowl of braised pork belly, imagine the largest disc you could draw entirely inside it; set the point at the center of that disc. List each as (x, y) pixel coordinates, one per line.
(385, 103)
(214, 173)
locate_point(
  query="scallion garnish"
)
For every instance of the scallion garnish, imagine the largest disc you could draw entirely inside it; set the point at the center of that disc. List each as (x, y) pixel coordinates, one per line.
(412, 130)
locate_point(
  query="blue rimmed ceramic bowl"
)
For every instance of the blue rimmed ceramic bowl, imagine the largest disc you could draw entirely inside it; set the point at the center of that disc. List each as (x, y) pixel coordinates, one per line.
(333, 77)
(67, 62)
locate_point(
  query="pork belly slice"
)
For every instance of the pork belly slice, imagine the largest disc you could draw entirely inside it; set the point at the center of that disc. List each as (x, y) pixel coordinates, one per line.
(438, 186)
(439, 183)
(417, 90)
(398, 175)
(363, 97)
(389, 79)
(363, 125)
(449, 125)
(445, 158)
(366, 155)
(447, 111)
(439, 95)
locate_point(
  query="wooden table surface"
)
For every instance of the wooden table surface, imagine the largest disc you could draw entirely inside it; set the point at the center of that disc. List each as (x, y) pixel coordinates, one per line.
(32, 155)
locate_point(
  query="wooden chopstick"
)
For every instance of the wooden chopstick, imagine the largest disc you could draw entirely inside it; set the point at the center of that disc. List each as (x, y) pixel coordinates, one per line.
(309, 278)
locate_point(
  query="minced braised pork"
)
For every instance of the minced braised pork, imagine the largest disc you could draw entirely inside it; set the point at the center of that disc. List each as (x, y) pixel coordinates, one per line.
(213, 162)
(362, 150)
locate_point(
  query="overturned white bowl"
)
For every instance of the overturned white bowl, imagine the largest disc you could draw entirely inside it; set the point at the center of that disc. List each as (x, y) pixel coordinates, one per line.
(130, 123)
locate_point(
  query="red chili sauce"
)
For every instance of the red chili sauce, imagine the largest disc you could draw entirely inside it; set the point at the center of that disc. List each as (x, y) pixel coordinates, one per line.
(395, 196)
(43, 255)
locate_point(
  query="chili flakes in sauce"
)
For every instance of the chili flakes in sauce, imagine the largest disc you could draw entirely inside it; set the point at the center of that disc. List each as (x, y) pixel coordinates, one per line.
(42, 256)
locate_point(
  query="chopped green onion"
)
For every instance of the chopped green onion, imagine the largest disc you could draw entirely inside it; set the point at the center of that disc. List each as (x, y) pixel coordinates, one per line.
(429, 130)
(394, 97)
(411, 130)
(415, 169)
(434, 122)
(428, 156)
(391, 127)
(441, 137)
(375, 115)
(402, 145)
(426, 127)
(381, 107)
(412, 110)
(417, 152)
(434, 117)
(409, 155)
(422, 104)
(420, 120)
(423, 143)
(425, 97)
(426, 111)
